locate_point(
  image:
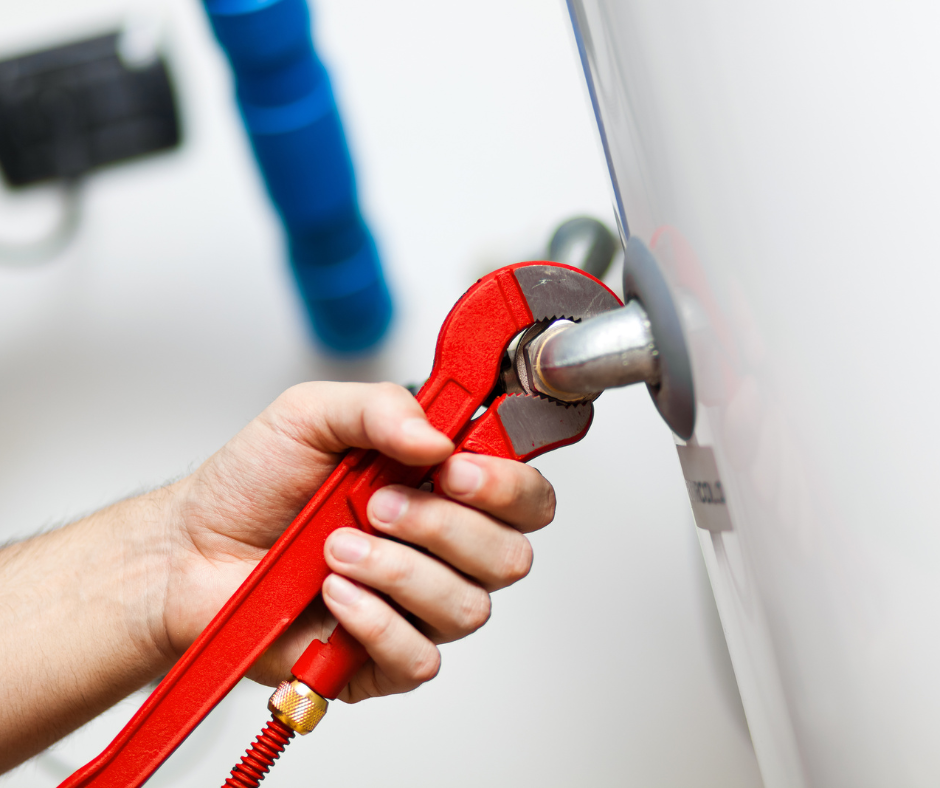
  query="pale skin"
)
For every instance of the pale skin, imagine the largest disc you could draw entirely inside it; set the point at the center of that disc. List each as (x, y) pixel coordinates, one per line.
(93, 611)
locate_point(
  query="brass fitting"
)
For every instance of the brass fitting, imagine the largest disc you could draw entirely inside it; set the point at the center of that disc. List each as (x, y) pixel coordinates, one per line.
(297, 706)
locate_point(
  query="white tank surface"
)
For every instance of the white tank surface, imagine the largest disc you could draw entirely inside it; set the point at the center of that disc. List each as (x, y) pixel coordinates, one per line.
(781, 161)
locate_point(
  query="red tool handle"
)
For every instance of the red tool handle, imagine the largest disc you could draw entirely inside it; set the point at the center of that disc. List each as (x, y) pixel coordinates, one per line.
(288, 578)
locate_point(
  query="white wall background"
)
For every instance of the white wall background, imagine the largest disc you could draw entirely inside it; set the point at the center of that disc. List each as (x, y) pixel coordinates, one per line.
(171, 321)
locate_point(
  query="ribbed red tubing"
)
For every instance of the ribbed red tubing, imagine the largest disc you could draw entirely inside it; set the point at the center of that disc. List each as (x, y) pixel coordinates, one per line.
(260, 756)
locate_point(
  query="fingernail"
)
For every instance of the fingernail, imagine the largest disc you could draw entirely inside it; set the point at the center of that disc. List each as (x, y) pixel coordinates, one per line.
(387, 505)
(339, 589)
(421, 430)
(349, 547)
(463, 477)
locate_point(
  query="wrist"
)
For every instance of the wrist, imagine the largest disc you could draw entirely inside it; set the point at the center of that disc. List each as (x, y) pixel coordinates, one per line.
(148, 529)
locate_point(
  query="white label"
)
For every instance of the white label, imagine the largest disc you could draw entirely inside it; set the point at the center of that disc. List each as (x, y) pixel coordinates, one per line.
(706, 492)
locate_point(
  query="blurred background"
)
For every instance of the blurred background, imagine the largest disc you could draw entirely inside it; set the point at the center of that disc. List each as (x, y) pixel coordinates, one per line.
(171, 319)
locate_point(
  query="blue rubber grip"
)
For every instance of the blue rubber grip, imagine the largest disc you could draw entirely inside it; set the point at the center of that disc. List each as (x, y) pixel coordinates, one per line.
(287, 104)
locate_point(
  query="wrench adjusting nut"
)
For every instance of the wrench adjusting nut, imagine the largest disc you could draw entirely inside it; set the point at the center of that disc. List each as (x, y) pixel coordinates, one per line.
(297, 706)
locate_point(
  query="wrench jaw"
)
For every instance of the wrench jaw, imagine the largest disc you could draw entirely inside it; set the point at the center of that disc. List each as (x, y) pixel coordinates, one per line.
(522, 422)
(521, 427)
(535, 424)
(557, 291)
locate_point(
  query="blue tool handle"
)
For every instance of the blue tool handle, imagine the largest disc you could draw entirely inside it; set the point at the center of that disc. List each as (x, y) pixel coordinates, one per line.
(286, 101)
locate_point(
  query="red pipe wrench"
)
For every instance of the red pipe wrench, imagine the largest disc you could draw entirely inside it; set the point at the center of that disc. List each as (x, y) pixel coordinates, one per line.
(471, 349)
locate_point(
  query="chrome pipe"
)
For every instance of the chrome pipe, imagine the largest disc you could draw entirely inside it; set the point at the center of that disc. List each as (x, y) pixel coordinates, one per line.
(572, 361)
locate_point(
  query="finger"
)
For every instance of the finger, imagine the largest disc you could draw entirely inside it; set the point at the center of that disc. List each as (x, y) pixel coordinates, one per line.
(512, 492)
(332, 417)
(404, 657)
(450, 605)
(492, 553)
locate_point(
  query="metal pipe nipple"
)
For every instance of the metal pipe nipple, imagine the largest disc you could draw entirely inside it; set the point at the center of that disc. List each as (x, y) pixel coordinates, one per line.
(577, 361)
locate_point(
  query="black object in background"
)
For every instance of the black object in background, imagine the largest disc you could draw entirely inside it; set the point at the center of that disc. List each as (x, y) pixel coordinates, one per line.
(66, 110)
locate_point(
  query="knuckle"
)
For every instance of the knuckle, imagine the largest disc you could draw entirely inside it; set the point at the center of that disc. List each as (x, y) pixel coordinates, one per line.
(548, 505)
(426, 665)
(428, 518)
(288, 404)
(290, 397)
(517, 560)
(297, 411)
(436, 518)
(377, 628)
(475, 610)
(513, 488)
(398, 568)
(299, 396)
(386, 389)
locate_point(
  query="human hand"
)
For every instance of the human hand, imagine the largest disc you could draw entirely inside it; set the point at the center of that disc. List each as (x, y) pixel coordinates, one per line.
(227, 514)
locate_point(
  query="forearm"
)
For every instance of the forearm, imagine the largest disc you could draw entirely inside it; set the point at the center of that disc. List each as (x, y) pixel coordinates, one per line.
(80, 618)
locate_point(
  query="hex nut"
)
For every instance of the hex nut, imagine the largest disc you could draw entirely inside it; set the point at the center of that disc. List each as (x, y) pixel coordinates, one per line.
(531, 353)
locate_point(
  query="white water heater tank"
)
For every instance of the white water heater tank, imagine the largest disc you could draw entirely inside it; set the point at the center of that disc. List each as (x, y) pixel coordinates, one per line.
(782, 163)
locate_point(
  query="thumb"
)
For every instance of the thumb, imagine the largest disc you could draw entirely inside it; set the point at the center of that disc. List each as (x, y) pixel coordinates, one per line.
(332, 417)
